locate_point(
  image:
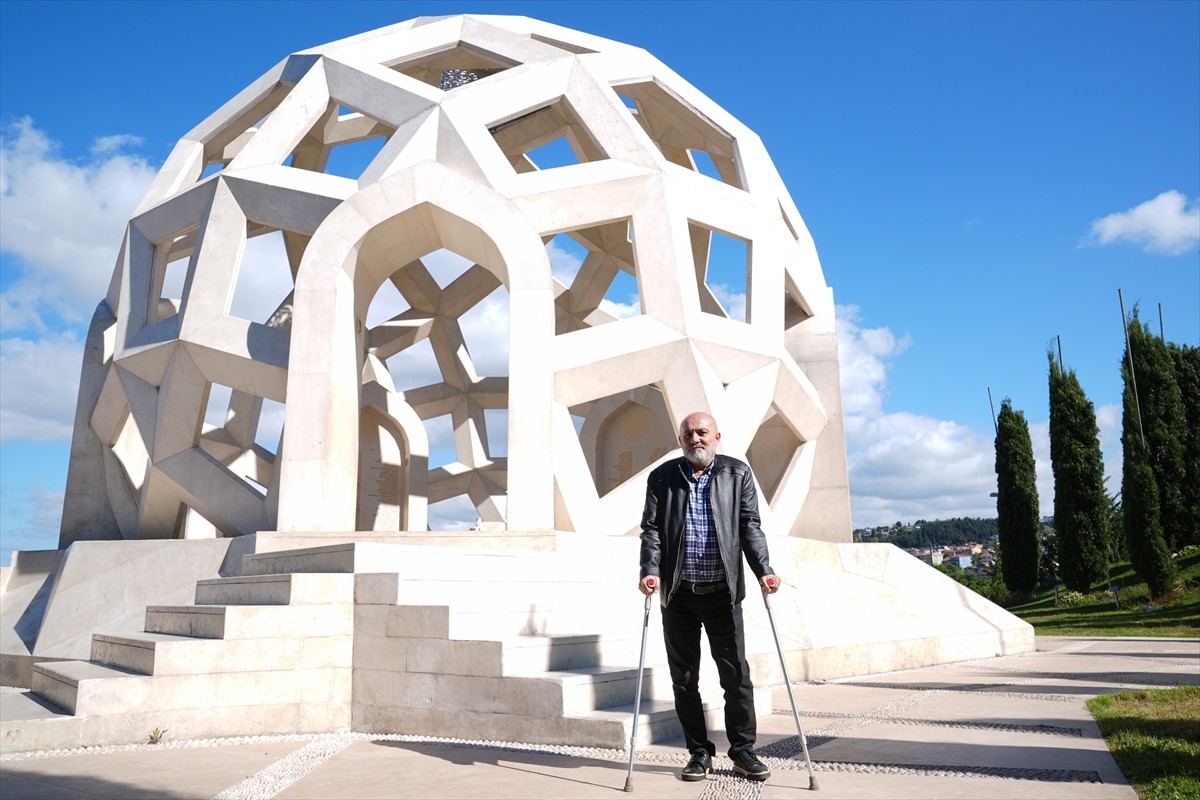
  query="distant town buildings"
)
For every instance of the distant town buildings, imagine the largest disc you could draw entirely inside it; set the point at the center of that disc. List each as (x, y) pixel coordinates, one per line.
(972, 557)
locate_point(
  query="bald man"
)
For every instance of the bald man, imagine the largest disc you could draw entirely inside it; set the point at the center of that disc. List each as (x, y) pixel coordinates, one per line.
(700, 519)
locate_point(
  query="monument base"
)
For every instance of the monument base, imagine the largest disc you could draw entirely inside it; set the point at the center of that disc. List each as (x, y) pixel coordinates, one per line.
(516, 636)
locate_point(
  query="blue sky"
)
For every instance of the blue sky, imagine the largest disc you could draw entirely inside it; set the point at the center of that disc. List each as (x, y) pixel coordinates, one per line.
(979, 179)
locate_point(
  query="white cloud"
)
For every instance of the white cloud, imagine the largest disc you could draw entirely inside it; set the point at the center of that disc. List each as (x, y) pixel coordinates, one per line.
(862, 355)
(63, 222)
(111, 144)
(1168, 224)
(32, 516)
(564, 265)
(39, 388)
(733, 301)
(904, 466)
(1039, 435)
(622, 310)
(454, 514)
(485, 331)
(264, 279)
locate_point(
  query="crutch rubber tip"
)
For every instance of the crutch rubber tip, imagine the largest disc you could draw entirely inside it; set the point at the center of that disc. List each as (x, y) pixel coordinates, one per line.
(629, 786)
(812, 785)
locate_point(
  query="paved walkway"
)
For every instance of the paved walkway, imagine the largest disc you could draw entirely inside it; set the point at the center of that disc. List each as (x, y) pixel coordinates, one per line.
(1006, 727)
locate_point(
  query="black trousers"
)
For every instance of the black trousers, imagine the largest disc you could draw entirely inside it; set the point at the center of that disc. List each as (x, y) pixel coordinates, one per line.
(722, 621)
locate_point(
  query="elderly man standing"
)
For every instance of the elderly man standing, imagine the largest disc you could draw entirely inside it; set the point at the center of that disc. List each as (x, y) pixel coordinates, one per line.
(701, 517)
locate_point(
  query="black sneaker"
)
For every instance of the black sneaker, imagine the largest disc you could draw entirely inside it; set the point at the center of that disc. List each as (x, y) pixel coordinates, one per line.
(748, 764)
(698, 768)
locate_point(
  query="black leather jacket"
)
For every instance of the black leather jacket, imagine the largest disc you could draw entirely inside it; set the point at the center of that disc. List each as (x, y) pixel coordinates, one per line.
(735, 511)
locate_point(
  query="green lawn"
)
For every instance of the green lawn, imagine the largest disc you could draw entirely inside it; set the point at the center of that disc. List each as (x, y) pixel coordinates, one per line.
(1096, 614)
(1154, 735)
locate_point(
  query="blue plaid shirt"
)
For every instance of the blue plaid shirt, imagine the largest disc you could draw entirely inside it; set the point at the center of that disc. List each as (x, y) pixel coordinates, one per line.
(701, 554)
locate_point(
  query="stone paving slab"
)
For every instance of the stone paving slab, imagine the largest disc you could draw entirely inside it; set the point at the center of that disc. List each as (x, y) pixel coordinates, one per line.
(884, 743)
(176, 772)
(1005, 728)
(996, 708)
(382, 769)
(793, 785)
(837, 697)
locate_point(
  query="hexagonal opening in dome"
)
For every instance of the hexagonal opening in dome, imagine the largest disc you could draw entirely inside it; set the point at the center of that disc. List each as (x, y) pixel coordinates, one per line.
(224, 143)
(452, 66)
(230, 433)
(596, 276)
(796, 309)
(771, 452)
(722, 264)
(130, 452)
(682, 134)
(343, 142)
(264, 281)
(168, 276)
(546, 138)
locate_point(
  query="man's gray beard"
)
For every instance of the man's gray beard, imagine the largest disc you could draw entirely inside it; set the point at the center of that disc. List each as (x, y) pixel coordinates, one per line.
(700, 458)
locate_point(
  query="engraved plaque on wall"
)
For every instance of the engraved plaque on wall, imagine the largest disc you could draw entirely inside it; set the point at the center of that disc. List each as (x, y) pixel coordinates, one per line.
(632, 438)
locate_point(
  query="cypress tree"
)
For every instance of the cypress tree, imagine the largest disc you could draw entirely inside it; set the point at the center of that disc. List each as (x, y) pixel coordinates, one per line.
(1187, 376)
(1080, 504)
(1143, 531)
(1140, 493)
(1163, 423)
(1016, 500)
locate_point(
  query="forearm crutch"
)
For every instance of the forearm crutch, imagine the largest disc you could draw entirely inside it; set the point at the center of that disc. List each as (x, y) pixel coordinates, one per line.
(637, 693)
(812, 779)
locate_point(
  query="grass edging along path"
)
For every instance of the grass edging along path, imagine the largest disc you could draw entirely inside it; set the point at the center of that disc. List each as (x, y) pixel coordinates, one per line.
(1154, 735)
(1097, 614)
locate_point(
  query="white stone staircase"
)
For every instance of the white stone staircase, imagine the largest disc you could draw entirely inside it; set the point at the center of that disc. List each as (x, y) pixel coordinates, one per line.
(269, 655)
(377, 638)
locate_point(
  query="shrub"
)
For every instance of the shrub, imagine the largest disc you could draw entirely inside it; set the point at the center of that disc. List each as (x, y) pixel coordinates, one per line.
(1072, 598)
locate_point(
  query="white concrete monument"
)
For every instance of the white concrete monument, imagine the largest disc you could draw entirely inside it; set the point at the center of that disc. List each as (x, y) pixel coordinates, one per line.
(560, 170)
(449, 119)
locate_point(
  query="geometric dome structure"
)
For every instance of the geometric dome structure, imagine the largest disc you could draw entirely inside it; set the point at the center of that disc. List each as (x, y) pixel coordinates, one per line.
(409, 180)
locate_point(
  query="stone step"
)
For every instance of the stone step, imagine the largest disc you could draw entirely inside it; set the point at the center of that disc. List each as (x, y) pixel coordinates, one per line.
(522, 619)
(409, 562)
(272, 590)
(593, 688)
(30, 722)
(87, 689)
(490, 609)
(590, 688)
(609, 728)
(210, 722)
(81, 687)
(252, 622)
(173, 654)
(613, 726)
(525, 655)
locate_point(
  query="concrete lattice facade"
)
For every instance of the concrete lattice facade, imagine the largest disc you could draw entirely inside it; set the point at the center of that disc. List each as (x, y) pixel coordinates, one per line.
(455, 114)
